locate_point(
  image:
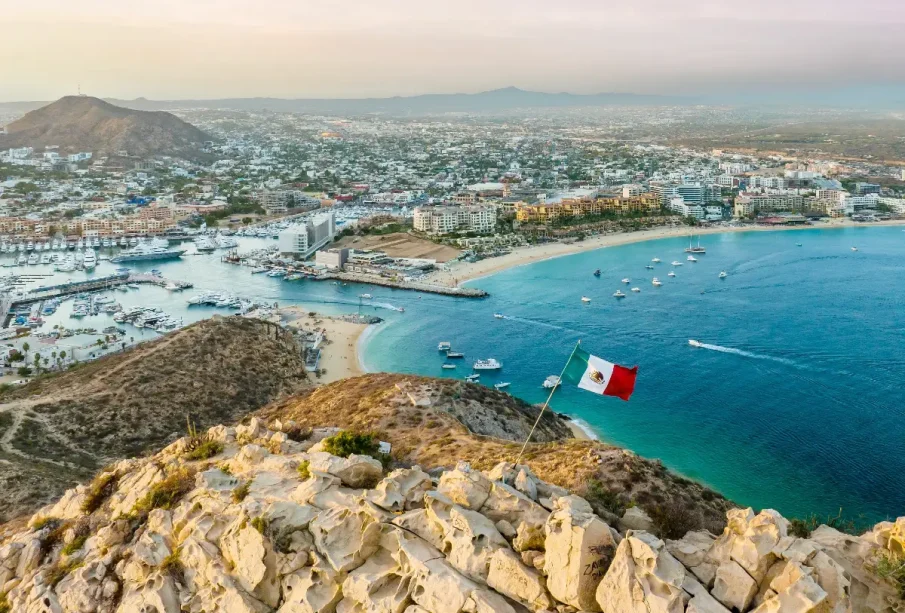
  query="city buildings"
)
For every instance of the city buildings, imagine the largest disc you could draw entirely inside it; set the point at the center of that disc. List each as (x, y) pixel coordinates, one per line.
(447, 219)
(309, 235)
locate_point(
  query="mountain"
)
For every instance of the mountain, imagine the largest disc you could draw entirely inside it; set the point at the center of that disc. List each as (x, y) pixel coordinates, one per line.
(271, 516)
(82, 123)
(60, 429)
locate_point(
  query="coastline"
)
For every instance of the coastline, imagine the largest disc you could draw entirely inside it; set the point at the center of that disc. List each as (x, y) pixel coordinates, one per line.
(340, 356)
(462, 272)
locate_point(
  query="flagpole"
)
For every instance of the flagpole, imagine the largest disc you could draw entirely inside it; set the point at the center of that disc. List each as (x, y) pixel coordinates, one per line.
(544, 408)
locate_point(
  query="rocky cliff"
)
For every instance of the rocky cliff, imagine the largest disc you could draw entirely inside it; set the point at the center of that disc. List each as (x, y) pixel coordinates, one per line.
(62, 428)
(255, 519)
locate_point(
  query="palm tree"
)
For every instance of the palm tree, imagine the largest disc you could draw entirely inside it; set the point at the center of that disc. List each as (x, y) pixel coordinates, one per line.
(25, 348)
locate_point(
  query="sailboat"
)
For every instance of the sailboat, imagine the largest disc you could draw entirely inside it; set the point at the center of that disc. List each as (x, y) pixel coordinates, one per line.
(695, 248)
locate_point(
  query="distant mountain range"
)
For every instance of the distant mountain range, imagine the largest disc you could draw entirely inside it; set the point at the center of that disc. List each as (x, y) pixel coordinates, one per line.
(82, 123)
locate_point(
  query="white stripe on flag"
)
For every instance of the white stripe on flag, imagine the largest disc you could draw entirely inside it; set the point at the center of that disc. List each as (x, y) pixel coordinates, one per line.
(597, 375)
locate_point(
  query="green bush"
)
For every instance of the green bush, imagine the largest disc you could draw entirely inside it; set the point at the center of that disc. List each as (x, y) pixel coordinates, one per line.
(304, 470)
(892, 568)
(76, 544)
(259, 524)
(5, 607)
(172, 564)
(204, 450)
(239, 494)
(347, 443)
(98, 491)
(600, 497)
(167, 493)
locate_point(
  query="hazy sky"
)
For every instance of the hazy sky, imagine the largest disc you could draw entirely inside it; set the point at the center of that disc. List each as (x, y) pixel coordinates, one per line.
(356, 48)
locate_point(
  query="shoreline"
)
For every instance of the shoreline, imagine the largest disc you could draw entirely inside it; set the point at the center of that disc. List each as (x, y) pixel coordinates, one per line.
(340, 356)
(466, 272)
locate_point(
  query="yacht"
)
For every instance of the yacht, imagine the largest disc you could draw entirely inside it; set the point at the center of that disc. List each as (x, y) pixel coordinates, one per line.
(551, 382)
(671, 274)
(22, 259)
(626, 280)
(723, 275)
(488, 364)
(444, 346)
(90, 260)
(20, 247)
(205, 244)
(585, 299)
(33, 259)
(45, 258)
(226, 242)
(30, 246)
(676, 263)
(656, 282)
(502, 385)
(106, 242)
(155, 250)
(636, 289)
(79, 244)
(656, 260)
(133, 242)
(618, 294)
(798, 244)
(448, 366)
(123, 241)
(691, 258)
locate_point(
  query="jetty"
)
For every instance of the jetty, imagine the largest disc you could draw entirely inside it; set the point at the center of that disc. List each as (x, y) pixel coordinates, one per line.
(429, 288)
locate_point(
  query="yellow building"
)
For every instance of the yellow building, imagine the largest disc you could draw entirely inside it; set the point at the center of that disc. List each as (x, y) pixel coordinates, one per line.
(583, 207)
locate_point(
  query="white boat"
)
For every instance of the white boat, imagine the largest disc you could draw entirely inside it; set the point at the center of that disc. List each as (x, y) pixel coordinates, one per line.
(226, 242)
(502, 385)
(636, 289)
(691, 258)
(448, 366)
(585, 299)
(671, 274)
(205, 244)
(551, 382)
(649, 267)
(33, 259)
(723, 275)
(498, 315)
(656, 282)
(799, 244)
(488, 364)
(90, 260)
(854, 248)
(626, 280)
(45, 258)
(123, 241)
(79, 244)
(618, 294)
(365, 296)
(695, 249)
(172, 287)
(694, 343)
(444, 346)
(22, 260)
(656, 260)
(472, 378)
(676, 263)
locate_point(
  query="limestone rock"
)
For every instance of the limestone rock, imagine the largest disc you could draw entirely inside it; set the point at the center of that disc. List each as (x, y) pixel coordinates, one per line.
(507, 503)
(643, 578)
(401, 490)
(465, 487)
(355, 471)
(253, 560)
(311, 590)
(345, 536)
(578, 547)
(635, 518)
(510, 577)
(733, 586)
(802, 596)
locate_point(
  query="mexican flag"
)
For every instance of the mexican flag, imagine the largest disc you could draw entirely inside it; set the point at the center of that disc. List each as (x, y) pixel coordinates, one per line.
(599, 376)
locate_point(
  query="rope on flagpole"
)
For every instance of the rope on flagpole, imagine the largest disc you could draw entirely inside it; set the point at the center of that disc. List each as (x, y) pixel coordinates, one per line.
(544, 408)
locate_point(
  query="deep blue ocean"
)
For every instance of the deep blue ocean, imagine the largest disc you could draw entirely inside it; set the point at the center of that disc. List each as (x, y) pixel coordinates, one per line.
(796, 403)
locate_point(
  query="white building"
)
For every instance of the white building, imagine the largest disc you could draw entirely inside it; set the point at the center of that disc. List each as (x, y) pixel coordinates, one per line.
(852, 204)
(446, 219)
(679, 206)
(303, 239)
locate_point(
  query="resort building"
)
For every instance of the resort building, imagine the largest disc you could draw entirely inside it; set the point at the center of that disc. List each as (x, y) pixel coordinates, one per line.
(448, 219)
(306, 237)
(647, 203)
(745, 204)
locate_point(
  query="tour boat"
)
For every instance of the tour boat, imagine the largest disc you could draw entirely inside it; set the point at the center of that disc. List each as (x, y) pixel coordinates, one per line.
(723, 275)
(585, 299)
(501, 385)
(618, 294)
(551, 382)
(695, 249)
(444, 346)
(488, 364)
(636, 289)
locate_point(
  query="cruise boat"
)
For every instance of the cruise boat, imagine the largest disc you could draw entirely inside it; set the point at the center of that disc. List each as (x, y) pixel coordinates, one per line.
(671, 274)
(444, 346)
(656, 282)
(723, 275)
(676, 263)
(488, 364)
(585, 299)
(691, 258)
(626, 280)
(636, 289)
(155, 250)
(448, 366)
(551, 382)
(90, 260)
(618, 294)
(502, 385)
(205, 244)
(656, 260)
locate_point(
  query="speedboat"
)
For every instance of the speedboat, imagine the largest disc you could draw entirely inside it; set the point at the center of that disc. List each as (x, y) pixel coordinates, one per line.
(854, 248)
(656, 260)
(444, 346)
(550, 382)
(454, 354)
(691, 258)
(488, 364)
(585, 299)
(799, 244)
(636, 289)
(597, 273)
(502, 385)
(448, 366)
(472, 378)
(656, 282)
(626, 280)
(671, 274)
(695, 343)
(723, 275)
(676, 263)
(365, 296)
(649, 267)
(618, 294)
(498, 315)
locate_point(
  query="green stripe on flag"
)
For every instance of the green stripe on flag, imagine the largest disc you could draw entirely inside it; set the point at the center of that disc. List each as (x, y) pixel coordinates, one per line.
(577, 366)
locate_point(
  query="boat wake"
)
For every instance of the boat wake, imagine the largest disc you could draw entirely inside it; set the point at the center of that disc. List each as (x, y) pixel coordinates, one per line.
(746, 354)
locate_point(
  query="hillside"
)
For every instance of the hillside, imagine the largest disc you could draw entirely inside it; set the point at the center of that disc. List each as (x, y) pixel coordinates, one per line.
(82, 123)
(61, 429)
(262, 518)
(430, 422)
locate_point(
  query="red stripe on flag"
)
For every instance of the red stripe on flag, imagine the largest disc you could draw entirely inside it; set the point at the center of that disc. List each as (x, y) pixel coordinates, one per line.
(622, 382)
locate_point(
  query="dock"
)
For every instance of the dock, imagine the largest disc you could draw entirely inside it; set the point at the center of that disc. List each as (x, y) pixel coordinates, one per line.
(350, 277)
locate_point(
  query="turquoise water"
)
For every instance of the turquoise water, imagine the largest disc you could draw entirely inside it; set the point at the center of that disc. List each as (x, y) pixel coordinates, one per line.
(797, 402)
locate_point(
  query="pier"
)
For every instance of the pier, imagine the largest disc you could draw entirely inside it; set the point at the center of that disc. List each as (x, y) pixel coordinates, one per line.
(350, 277)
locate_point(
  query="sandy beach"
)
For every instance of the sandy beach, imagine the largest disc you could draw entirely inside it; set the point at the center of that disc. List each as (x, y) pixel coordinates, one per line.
(456, 273)
(339, 350)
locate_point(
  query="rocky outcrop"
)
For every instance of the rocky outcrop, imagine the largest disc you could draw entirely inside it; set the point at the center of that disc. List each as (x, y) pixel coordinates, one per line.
(268, 524)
